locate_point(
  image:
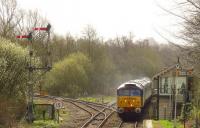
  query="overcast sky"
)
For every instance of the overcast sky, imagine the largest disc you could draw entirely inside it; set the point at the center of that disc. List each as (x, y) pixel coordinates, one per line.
(110, 18)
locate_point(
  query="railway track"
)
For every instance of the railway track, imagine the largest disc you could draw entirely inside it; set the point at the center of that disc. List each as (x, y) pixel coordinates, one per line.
(103, 114)
(96, 110)
(100, 118)
(124, 124)
(99, 113)
(135, 124)
(109, 106)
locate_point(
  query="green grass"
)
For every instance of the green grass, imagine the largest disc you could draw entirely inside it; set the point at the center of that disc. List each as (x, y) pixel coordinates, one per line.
(99, 99)
(48, 124)
(40, 124)
(90, 99)
(42, 101)
(64, 114)
(166, 124)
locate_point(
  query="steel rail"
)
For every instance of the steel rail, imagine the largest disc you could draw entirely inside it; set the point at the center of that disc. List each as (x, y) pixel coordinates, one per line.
(91, 106)
(94, 116)
(121, 123)
(82, 101)
(93, 103)
(101, 112)
(89, 121)
(135, 124)
(72, 102)
(104, 121)
(80, 108)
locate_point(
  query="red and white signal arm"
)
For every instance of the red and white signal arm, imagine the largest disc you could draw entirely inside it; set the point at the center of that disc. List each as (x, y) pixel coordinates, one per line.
(58, 105)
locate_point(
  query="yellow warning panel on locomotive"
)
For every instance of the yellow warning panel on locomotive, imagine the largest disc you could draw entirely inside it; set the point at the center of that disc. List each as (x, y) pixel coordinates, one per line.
(129, 101)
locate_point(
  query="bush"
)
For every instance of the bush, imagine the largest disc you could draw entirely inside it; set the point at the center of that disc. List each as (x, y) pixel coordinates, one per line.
(13, 75)
(70, 76)
(13, 78)
(186, 111)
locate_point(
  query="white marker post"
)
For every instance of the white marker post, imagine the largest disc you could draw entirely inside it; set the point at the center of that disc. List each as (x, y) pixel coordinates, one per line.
(58, 105)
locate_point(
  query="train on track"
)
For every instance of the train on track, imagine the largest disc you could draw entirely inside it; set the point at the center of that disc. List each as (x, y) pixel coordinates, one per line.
(132, 96)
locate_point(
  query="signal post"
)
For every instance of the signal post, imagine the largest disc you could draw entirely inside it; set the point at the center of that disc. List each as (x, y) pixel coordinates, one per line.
(30, 67)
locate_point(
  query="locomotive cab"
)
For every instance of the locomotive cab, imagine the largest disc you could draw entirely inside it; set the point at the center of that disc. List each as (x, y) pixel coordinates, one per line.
(133, 95)
(129, 98)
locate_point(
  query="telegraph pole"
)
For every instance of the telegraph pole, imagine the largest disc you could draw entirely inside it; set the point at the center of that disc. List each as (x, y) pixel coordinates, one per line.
(185, 95)
(174, 105)
(175, 95)
(158, 97)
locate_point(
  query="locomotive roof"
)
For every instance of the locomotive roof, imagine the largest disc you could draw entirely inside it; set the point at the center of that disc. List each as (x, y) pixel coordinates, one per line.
(140, 83)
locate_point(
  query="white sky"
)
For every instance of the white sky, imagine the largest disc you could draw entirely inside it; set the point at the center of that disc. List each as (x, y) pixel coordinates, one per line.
(109, 17)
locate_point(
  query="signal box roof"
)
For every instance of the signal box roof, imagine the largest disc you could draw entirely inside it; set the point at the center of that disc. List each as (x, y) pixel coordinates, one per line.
(166, 70)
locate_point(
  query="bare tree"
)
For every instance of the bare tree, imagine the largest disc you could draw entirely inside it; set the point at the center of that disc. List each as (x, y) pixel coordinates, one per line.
(90, 35)
(14, 20)
(190, 16)
(191, 32)
(10, 17)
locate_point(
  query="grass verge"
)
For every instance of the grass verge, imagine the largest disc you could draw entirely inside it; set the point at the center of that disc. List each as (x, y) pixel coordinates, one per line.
(166, 124)
(99, 99)
(40, 124)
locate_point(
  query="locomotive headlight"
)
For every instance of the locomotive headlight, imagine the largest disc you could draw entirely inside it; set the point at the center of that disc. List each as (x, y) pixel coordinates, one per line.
(133, 101)
(125, 100)
(138, 110)
(120, 110)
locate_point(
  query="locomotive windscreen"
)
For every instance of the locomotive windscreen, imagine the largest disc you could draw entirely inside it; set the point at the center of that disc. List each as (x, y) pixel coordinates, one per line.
(135, 92)
(123, 92)
(129, 92)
